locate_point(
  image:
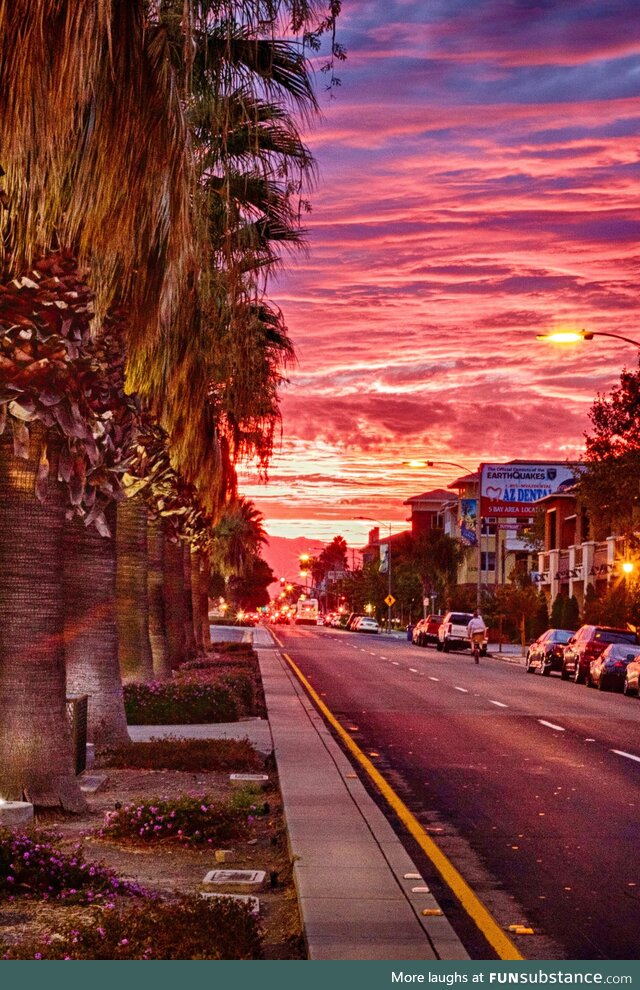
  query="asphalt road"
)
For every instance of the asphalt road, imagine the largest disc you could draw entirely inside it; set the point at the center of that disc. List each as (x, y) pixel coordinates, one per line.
(515, 776)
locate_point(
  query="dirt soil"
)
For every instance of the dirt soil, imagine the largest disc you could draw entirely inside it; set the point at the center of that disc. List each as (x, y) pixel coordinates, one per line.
(166, 868)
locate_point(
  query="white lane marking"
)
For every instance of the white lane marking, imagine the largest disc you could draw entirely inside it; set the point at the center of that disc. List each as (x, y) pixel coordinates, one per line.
(383, 658)
(372, 654)
(464, 690)
(434, 678)
(550, 725)
(500, 704)
(413, 670)
(629, 756)
(395, 663)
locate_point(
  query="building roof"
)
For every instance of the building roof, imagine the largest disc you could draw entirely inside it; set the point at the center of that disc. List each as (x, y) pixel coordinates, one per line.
(437, 495)
(561, 493)
(466, 479)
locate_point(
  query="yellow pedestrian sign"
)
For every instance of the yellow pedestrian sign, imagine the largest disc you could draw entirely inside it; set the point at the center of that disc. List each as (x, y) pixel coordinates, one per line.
(390, 600)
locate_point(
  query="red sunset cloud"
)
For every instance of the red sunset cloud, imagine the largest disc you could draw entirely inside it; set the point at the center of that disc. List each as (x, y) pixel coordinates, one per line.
(480, 182)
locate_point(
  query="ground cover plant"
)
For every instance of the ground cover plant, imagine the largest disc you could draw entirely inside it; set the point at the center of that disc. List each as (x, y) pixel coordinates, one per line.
(182, 928)
(179, 703)
(33, 865)
(233, 755)
(188, 820)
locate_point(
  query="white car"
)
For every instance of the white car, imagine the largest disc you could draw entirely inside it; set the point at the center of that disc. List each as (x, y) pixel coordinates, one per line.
(453, 632)
(367, 625)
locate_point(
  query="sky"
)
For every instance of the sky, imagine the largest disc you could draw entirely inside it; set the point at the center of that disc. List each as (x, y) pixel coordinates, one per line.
(479, 183)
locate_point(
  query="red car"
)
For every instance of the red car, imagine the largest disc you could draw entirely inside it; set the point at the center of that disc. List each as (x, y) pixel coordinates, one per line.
(586, 646)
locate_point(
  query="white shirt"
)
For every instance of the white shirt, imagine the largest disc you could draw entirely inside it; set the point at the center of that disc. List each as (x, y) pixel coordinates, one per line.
(476, 625)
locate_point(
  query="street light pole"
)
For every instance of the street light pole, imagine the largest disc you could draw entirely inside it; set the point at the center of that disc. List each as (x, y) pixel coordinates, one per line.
(575, 336)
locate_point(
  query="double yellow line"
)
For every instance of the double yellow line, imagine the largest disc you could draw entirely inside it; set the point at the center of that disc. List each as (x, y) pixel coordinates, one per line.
(474, 907)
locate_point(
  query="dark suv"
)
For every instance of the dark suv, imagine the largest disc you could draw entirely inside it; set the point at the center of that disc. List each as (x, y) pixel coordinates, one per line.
(587, 645)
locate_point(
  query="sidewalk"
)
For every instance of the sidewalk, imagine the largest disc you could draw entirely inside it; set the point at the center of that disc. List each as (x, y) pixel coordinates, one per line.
(360, 895)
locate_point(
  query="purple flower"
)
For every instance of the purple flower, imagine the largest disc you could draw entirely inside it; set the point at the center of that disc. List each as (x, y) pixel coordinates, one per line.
(38, 955)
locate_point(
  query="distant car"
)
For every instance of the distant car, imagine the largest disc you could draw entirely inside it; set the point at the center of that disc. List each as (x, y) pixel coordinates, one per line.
(453, 632)
(632, 678)
(587, 645)
(610, 668)
(546, 653)
(367, 625)
(430, 631)
(352, 619)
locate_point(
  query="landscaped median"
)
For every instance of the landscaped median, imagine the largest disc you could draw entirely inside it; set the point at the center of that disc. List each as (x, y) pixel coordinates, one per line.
(133, 877)
(223, 686)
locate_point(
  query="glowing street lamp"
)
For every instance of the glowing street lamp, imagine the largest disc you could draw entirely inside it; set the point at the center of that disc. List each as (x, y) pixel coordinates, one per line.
(429, 464)
(577, 336)
(627, 567)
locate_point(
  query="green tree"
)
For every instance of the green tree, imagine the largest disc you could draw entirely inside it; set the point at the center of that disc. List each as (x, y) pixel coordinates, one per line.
(609, 477)
(614, 607)
(592, 607)
(558, 611)
(436, 558)
(571, 616)
(250, 590)
(540, 622)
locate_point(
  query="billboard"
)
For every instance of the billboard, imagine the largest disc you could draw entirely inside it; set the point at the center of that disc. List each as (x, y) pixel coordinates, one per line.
(469, 521)
(512, 489)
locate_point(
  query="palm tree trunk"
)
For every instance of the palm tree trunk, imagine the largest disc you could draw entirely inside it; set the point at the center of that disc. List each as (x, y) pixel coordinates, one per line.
(36, 759)
(205, 577)
(134, 648)
(195, 599)
(90, 630)
(157, 610)
(190, 639)
(174, 602)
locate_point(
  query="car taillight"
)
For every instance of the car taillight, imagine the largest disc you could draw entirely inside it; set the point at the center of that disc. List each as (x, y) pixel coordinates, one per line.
(618, 665)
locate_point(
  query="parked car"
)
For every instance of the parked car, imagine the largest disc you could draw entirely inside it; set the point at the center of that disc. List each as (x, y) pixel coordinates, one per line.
(610, 668)
(367, 625)
(587, 645)
(546, 653)
(453, 632)
(428, 630)
(352, 618)
(632, 678)
(416, 635)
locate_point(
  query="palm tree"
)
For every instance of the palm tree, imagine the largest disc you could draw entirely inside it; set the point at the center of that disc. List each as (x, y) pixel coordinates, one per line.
(237, 537)
(134, 647)
(35, 746)
(90, 629)
(87, 101)
(156, 597)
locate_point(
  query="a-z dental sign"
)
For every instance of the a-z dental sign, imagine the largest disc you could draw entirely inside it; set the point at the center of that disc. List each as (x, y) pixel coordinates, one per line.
(513, 489)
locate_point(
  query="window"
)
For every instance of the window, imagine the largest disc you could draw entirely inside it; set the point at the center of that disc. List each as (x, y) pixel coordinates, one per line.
(488, 528)
(488, 560)
(552, 529)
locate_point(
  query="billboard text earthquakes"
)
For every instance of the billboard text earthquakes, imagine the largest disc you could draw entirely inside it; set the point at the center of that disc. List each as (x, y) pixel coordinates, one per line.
(513, 489)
